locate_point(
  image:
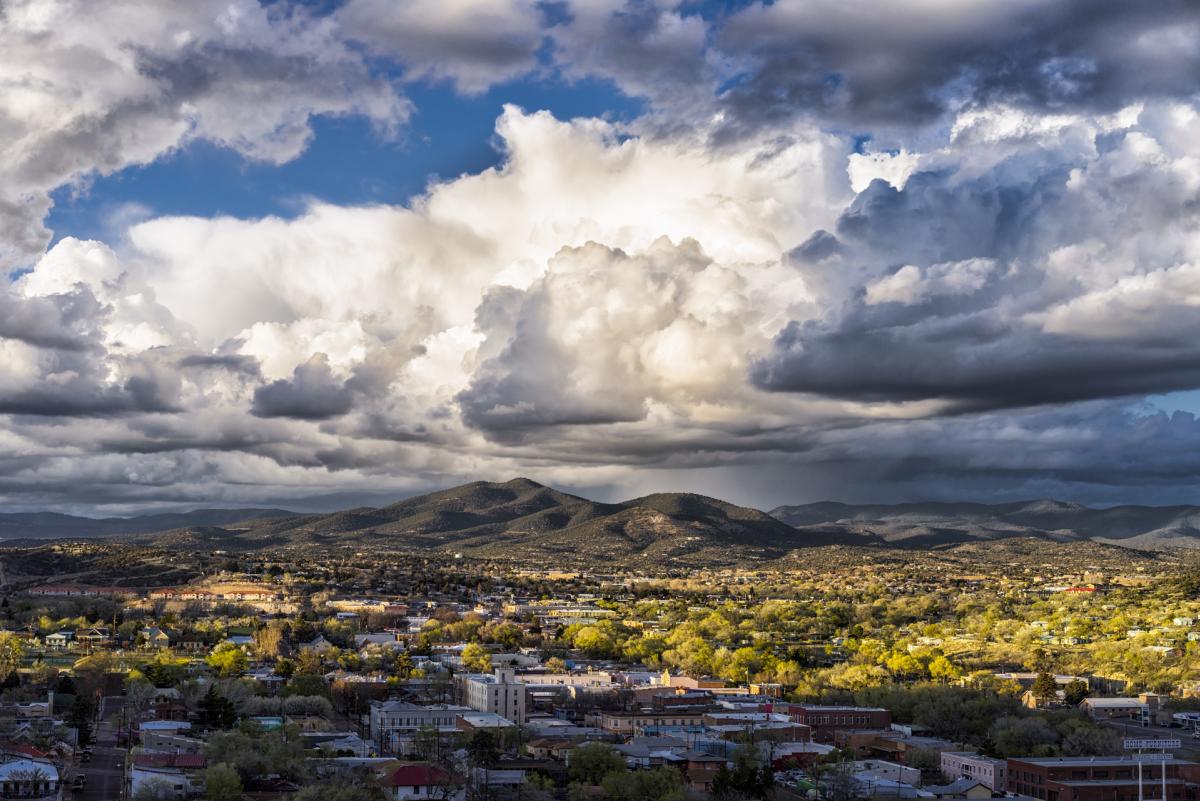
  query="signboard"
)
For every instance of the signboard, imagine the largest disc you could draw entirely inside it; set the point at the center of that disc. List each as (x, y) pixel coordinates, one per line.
(1151, 744)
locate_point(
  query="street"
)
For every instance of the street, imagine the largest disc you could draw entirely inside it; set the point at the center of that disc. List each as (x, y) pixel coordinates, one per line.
(104, 775)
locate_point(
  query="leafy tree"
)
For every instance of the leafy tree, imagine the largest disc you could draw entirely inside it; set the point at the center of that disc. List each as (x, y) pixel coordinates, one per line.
(662, 784)
(267, 641)
(750, 777)
(155, 790)
(227, 659)
(482, 749)
(12, 649)
(341, 791)
(306, 684)
(222, 783)
(476, 658)
(1018, 737)
(590, 763)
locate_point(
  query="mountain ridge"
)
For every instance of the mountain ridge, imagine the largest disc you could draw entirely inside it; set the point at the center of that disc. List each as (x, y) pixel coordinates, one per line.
(523, 518)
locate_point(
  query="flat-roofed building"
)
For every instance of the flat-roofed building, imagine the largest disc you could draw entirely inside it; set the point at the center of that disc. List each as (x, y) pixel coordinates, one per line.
(1116, 778)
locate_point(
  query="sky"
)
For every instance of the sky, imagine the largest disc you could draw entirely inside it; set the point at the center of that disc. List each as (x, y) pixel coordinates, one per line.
(322, 254)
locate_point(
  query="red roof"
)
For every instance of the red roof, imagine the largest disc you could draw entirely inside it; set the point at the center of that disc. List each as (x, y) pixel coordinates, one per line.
(418, 774)
(169, 760)
(28, 750)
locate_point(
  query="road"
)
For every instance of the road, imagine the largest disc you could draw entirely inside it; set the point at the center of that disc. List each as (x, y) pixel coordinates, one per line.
(105, 773)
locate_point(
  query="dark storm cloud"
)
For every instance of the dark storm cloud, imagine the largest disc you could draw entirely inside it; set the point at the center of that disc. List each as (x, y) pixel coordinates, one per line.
(63, 322)
(312, 393)
(976, 361)
(904, 62)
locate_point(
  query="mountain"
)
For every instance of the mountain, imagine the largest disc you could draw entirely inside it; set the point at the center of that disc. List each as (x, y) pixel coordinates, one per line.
(51, 525)
(522, 518)
(940, 524)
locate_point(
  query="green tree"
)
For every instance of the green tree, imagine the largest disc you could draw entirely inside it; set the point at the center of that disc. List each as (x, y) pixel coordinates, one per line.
(1045, 688)
(476, 658)
(590, 763)
(1076, 691)
(12, 649)
(216, 711)
(227, 659)
(222, 783)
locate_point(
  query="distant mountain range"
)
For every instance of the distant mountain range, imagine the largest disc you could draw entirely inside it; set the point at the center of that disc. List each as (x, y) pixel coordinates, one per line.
(51, 525)
(524, 519)
(925, 525)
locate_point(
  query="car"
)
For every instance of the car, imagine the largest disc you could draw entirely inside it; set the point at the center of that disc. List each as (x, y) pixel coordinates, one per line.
(85, 757)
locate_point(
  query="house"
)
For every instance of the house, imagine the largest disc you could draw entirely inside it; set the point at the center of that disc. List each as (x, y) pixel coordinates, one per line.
(699, 769)
(317, 644)
(153, 637)
(183, 773)
(60, 640)
(94, 637)
(30, 779)
(420, 780)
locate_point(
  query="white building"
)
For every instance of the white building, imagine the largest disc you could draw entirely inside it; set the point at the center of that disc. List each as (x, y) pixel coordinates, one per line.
(498, 692)
(991, 773)
(30, 779)
(393, 720)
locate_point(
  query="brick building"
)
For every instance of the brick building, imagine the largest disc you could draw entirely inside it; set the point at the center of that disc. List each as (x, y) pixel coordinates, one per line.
(1105, 778)
(826, 721)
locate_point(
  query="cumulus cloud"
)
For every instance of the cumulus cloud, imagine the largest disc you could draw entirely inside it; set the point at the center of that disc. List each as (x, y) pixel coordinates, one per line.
(766, 287)
(90, 89)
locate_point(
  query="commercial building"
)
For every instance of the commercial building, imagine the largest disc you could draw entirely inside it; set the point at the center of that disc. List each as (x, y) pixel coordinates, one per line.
(1122, 778)
(825, 721)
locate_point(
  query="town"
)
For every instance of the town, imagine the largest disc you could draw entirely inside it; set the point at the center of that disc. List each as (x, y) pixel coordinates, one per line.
(357, 675)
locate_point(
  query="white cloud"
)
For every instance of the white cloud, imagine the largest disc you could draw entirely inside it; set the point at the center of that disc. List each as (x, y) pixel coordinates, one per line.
(91, 88)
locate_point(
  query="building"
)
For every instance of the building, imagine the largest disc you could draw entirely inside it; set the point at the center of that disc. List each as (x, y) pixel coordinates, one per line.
(498, 692)
(1138, 709)
(60, 640)
(631, 723)
(182, 773)
(825, 721)
(991, 773)
(392, 720)
(420, 780)
(34, 780)
(1162, 778)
